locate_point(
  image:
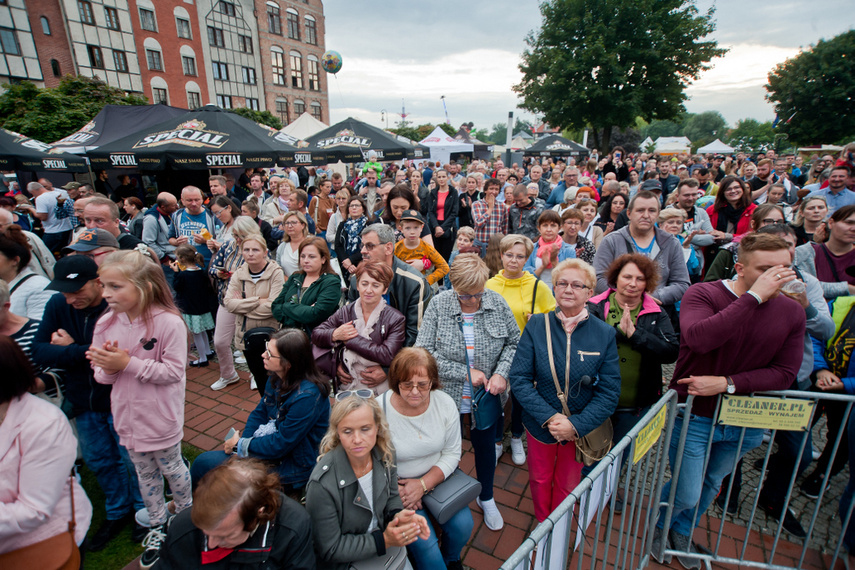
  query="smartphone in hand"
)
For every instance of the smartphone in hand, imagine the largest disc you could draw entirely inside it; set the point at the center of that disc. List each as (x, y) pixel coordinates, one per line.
(230, 435)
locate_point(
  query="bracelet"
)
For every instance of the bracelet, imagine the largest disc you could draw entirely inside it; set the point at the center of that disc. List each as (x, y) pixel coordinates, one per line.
(424, 487)
(756, 296)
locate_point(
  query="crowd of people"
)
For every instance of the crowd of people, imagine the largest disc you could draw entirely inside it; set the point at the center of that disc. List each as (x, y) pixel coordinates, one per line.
(389, 313)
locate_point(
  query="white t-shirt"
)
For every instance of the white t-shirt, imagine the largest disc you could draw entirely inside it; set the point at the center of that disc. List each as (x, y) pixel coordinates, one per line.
(469, 339)
(366, 482)
(287, 258)
(46, 204)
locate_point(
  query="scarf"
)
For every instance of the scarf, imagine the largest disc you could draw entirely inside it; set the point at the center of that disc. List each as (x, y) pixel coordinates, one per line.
(353, 234)
(570, 323)
(544, 251)
(726, 215)
(355, 363)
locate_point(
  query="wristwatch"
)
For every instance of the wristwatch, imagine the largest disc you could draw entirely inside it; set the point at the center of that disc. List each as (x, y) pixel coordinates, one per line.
(731, 387)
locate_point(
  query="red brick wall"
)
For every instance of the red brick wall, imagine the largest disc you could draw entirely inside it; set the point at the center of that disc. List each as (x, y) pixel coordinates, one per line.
(55, 46)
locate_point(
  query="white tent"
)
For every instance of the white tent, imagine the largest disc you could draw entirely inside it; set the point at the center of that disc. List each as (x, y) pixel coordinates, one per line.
(519, 143)
(303, 127)
(442, 145)
(673, 145)
(716, 147)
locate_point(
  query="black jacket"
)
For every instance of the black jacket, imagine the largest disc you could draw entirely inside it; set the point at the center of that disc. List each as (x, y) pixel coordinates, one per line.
(81, 390)
(452, 208)
(285, 542)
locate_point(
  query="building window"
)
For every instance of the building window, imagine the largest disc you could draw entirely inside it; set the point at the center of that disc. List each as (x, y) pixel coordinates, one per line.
(252, 103)
(147, 20)
(54, 67)
(221, 71)
(120, 61)
(315, 110)
(282, 110)
(216, 37)
(274, 21)
(314, 74)
(248, 75)
(224, 101)
(299, 107)
(311, 31)
(227, 8)
(85, 9)
(9, 41)
(278, 61)
(194, 100)
(245, 43)
(296, 70)
(112, 17)
(183, 28)
(188, 64)
(45, 26)
(95, 58)
(293, 24)
(154, 59)
(159, 96)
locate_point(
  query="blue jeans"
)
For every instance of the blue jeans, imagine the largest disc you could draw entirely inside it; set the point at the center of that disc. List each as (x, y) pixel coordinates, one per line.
(428, 554)
(723, 454)
(846, 499)
(204, 463)
(110, 462)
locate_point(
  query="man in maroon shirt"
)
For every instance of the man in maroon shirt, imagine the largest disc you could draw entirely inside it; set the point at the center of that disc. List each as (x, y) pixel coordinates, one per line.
(737, 337)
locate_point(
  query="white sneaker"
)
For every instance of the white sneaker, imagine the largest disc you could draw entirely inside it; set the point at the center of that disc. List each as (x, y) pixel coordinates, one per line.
(517, 451)
(499, 450)
(142, 518)
(240, 360)
(223, 382)
(237, 353)
(492, 517)
(253, 385)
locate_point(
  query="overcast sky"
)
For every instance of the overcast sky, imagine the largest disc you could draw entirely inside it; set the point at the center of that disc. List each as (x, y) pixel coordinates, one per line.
(470, 50)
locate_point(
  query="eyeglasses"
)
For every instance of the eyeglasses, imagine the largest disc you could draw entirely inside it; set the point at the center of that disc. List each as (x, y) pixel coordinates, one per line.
(420, 386)
(218, 213)
(291, 223)
(467, 298)
(266, 354)
(363, 393)
(575, 285)
(369, 246)
(510, 256)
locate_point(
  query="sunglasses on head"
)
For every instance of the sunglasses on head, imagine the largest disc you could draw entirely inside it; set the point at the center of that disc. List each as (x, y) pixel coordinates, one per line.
(363, 393)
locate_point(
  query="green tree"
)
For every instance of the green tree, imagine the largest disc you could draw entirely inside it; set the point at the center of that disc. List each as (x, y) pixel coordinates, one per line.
(500, 131)
(663, 128)
(704, 128)
(449, 130)
(49, 114)
(602, 63)
(813, 92)
(262, 117)
(750, 135)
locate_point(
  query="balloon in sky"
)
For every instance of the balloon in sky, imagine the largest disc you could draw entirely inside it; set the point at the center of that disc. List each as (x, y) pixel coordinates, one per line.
(331, 61)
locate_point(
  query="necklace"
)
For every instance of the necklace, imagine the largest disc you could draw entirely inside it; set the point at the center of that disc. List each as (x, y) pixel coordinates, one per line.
(362, 472)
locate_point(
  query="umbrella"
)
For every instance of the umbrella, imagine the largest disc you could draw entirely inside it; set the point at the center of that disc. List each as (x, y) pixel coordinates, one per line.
(204, 138)
(555, 145)
(18, 152)
(351, 139)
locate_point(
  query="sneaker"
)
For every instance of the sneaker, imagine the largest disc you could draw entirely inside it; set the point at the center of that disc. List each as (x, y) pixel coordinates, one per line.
(499, 451)
(240, 360)
(791, 523)
(155, 537)
(492, 517)
(253, 385)
(685, 545)
(107, 532)
(198, 363)
(223, 382)
(142, 518)
(733, 506)
(811, 486)
(657, 547)
(237, 353)
(517, 451)
(139, 533)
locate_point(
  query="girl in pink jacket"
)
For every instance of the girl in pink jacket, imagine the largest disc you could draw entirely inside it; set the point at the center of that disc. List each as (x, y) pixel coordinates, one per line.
(140, 347)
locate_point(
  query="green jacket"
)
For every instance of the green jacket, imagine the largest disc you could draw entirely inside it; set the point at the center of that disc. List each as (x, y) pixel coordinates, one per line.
(340, 513)
(315, 306)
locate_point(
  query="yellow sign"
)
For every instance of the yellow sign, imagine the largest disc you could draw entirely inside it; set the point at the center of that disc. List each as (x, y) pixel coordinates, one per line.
(766, 413)
(649, 435)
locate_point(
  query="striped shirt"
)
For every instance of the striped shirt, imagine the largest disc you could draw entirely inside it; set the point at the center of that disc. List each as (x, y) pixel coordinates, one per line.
(488, 223)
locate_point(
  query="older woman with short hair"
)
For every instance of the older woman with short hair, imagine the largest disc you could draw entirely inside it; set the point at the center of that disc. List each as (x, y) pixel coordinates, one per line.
(276, 206)
(473, 334)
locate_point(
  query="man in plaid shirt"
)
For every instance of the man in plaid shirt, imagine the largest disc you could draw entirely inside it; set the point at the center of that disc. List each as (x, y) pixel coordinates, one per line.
(490, 215)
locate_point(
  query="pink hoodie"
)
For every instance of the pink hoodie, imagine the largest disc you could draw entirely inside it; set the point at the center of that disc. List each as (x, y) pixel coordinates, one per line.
(147, 400)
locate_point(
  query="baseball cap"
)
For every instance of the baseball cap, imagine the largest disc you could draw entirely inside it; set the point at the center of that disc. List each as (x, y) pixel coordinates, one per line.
(412, 215)
(71, 273)
(91, 239)
(72, 186)
(652, 185)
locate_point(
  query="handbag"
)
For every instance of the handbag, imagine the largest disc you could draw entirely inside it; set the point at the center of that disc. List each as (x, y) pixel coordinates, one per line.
(58, 552)
(394, 559)
(486, 408)
(451, 496)
(598, 442)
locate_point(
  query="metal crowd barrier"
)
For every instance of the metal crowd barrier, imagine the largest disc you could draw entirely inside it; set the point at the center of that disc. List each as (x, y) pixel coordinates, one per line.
(627, 543)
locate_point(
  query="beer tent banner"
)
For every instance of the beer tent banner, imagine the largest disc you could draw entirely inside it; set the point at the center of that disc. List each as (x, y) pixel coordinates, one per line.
(18, 152)
(351, 140)
(556, 145)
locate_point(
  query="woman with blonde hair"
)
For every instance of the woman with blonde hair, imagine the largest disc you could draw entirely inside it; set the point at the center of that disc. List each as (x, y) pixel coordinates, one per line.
(808, 223)
(296, 230)
(352, 494)
(340, 214)
(276, 206)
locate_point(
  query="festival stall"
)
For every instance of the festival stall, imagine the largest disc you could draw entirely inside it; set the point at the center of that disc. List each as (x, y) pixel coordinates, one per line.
(351, 140)
(444, 147)
(556, 146)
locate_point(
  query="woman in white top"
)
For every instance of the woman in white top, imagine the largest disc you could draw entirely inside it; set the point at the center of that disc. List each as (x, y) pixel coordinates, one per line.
(287, 254)
(29, 290)
(425, 427)
(340, 214)
(227, 212)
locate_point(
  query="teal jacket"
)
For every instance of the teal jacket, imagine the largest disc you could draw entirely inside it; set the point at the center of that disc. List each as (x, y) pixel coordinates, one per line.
(307, 310)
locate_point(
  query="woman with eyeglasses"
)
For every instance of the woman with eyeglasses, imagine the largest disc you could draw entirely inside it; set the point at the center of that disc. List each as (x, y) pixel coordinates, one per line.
(348, 237)
(275, 207)
(286, 427)
(352, 495)
(425, 428)
(572, 221)
(227, 212)
(473, 335)
(588, 384)
(337, 217)
(724, 262)
(288, 253)
(364, 333)
(732, 209)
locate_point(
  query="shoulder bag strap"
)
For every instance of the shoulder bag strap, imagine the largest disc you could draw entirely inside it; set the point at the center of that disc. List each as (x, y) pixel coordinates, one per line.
(466, 354)
(534, 293)
(827, 257)
(25, 277)
(72, 524)
(562, 396)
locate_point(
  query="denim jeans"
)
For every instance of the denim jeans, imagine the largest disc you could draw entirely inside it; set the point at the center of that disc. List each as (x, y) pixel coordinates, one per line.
(723, 454)
(484, 449)
(110, 462)
(846, 499)
(429, 554)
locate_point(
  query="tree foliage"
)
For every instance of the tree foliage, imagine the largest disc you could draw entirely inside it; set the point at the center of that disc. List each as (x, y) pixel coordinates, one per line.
(49, 114)
(813, 92)
(664, 128)
(602, 63)
(750, 135)
(262, 117)
(704, 128)
(499, 133)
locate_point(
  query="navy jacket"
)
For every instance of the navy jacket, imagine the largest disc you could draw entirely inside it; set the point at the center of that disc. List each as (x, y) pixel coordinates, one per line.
(81, 389)
(593, 353)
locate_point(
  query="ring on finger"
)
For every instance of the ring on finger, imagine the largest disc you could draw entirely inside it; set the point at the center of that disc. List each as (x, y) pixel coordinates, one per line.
(778, 276)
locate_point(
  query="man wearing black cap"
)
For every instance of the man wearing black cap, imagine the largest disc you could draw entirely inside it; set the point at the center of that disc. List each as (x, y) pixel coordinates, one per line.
(62, 339)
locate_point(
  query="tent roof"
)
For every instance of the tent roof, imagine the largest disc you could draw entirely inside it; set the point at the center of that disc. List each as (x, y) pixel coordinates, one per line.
(18, 152)
(113, 122)
(463, 136)
(519, 142)
(439, 138)
(350, 140)
(716, 146)
(555, 145)
(304, 126)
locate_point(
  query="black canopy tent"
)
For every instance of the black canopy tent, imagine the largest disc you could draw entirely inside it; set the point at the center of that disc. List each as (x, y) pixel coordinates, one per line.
(18, 152)
(556, 145)
(351, 140)
(205, 138)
